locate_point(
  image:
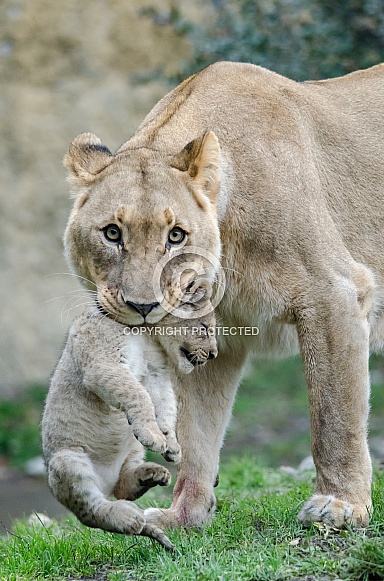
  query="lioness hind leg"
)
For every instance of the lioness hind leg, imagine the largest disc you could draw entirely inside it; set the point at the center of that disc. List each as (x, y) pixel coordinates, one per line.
(135, 481)
(74, 482)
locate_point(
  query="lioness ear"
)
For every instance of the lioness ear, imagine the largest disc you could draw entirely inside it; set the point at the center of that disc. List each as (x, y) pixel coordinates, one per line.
(201, 158)
(86, 157)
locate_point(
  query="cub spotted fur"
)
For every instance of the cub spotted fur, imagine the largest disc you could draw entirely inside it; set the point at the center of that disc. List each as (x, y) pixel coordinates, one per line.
(104, 378)
(284, 183)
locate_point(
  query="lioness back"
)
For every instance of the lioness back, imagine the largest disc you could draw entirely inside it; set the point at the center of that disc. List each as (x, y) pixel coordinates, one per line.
(315, 149)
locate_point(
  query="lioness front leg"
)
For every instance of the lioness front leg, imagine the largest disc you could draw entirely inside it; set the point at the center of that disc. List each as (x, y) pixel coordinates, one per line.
(334, 338)
(204, 408)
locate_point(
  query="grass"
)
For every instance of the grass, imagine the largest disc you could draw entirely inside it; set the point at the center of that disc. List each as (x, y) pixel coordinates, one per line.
(255, 536)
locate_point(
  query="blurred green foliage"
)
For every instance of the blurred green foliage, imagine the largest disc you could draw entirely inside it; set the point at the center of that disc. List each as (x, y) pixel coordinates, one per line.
(270, 418)
(301, 39)
(20, 426)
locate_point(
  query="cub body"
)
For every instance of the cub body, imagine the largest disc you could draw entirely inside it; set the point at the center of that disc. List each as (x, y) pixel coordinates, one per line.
(110, 396)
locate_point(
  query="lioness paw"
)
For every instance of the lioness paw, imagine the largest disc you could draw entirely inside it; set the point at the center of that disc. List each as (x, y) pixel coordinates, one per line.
(164, 518)
(188, 517)
(333, 512)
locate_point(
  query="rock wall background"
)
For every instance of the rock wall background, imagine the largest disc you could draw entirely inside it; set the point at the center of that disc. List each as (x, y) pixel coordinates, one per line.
(65, 67)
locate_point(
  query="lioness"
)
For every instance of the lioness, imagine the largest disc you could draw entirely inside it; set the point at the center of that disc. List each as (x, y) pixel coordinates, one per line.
(105, 376)
(290, 176)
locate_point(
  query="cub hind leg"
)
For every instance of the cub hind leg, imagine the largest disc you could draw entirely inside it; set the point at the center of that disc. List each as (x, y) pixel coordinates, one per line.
(75, 483)
(134, 481)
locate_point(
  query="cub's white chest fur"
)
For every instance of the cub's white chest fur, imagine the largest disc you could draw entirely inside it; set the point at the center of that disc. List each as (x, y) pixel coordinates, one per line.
(142, 357)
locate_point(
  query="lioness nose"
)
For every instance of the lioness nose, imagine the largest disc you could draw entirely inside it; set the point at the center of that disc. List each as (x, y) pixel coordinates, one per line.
(142, 309)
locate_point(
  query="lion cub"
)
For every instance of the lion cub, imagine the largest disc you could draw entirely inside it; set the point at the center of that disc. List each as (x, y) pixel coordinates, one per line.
(106, 376)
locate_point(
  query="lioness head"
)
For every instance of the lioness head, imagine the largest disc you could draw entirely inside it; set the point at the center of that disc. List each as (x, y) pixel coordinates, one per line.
(137, 219)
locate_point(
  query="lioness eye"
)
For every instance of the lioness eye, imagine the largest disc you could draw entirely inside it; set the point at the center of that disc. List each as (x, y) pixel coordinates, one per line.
(176, 236)
(112, 233)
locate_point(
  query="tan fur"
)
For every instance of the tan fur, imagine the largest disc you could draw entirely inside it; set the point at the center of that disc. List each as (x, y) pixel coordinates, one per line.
(106, 376)
(296, 188)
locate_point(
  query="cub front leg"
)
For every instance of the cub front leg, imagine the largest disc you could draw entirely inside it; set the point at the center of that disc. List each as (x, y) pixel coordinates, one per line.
(119, 389)
(334, 339)
(173, 451)
(147, 432)
(167, 426)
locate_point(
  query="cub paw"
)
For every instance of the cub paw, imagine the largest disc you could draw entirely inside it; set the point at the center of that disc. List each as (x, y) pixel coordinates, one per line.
(118, 516)
(151, 474)
(173, 451)
(333, 512)
(152, 439)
